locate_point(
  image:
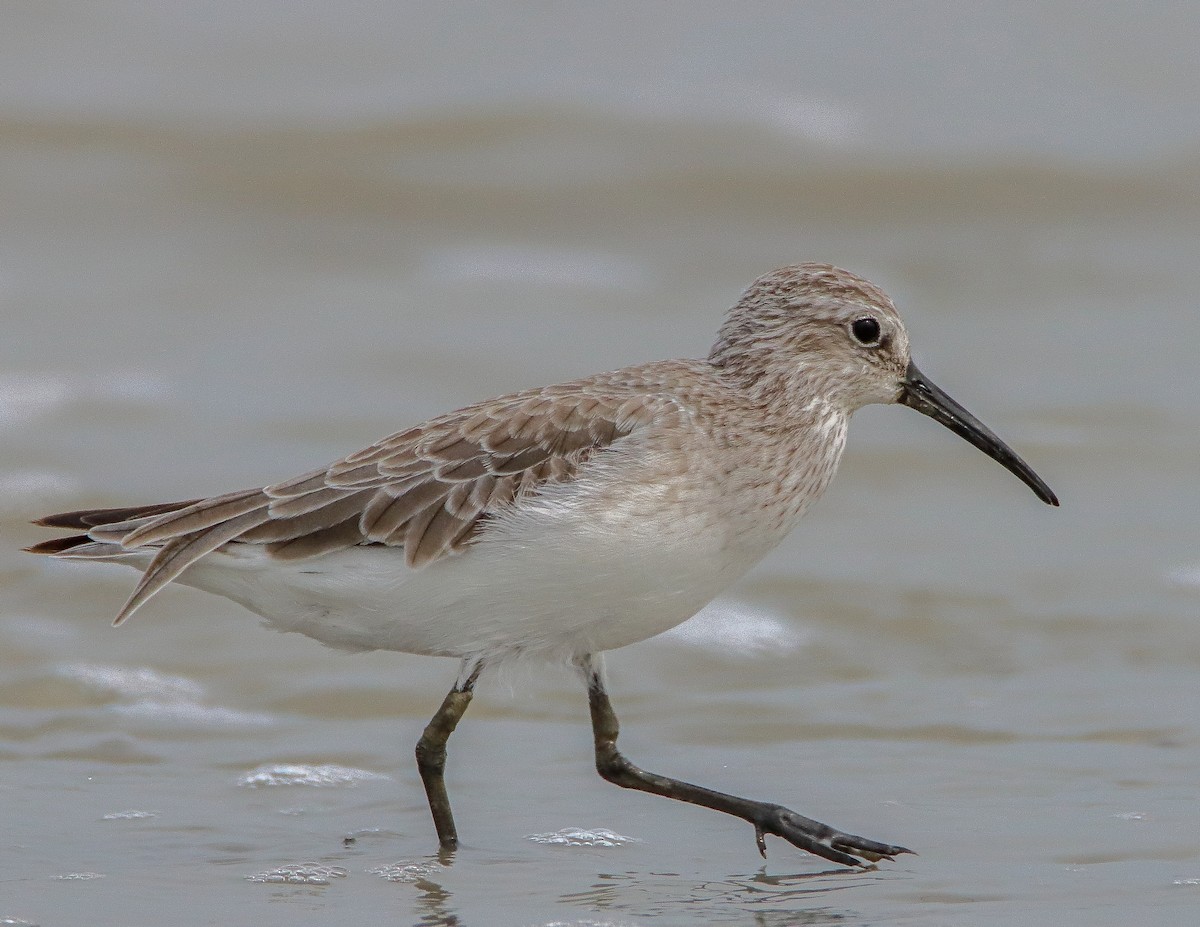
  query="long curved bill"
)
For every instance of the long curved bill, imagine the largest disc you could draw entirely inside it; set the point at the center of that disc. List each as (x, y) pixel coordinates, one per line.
(921, 394)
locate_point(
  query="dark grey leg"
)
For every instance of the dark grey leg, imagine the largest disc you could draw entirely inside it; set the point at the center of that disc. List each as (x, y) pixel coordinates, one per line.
(431, 752)
(799, 831)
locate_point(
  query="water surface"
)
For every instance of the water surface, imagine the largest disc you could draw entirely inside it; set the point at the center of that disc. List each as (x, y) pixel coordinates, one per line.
(237, 244)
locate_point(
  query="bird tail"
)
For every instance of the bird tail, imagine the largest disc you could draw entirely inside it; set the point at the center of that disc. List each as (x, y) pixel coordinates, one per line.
(176, 533)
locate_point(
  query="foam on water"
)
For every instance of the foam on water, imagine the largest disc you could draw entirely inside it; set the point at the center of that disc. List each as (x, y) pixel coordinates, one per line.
(300, 874)
(588, 922)
(580, 837)
(325, 776)
(405, 871)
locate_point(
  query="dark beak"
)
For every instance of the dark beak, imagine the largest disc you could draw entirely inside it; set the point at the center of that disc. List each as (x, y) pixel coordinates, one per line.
(920, 394)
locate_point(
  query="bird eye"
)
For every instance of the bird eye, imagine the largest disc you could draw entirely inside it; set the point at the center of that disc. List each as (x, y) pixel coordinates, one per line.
(865, 331)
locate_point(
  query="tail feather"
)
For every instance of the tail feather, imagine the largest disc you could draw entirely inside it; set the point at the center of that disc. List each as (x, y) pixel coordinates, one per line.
(167, 539)
(83, 519)
(58, 545)
(176, 534)
(81, 547)
(199, 516)
(181, 552)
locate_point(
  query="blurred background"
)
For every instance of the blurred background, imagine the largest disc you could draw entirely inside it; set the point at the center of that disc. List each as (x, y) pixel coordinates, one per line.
(238, 241)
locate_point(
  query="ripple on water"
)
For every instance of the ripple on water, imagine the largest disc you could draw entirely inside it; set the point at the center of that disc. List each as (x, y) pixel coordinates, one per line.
(129, 815)
(132, 682)
(145, 692)
(323, 776)
(24, 491)
(737, 629)
(1185, 576)
(27, 396)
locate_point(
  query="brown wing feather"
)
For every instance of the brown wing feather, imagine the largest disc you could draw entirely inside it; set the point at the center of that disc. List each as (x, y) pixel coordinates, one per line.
(84, 519)
(427, 489)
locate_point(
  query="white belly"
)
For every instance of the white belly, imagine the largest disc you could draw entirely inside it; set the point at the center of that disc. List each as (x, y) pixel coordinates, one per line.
(560, 576)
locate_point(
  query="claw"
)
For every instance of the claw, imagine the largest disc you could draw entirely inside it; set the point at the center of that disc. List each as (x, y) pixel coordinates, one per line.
(843, 859)
(821, 840)
(760, 840)
(867, 849)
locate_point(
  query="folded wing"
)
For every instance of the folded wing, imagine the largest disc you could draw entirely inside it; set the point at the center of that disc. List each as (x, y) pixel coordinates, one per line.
(427, 490)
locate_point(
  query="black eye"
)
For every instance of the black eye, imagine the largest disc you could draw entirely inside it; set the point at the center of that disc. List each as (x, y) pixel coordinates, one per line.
(866, 331)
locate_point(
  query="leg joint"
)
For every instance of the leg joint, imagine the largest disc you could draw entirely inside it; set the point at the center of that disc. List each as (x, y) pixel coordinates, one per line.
(612, 766)
(431, 754)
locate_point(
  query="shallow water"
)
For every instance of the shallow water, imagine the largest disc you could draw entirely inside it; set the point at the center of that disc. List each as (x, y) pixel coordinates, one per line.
(236, 247)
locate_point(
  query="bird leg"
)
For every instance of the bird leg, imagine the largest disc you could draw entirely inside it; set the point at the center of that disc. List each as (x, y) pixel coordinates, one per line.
(767, 818)
(431, 751)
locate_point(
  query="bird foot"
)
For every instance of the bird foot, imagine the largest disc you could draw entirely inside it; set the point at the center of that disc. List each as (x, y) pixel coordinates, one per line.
(820, 839)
